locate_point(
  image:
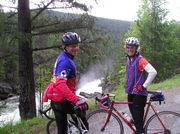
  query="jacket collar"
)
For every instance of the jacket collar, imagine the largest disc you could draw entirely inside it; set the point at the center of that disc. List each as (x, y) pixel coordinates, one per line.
(67, 54)
(132, 59)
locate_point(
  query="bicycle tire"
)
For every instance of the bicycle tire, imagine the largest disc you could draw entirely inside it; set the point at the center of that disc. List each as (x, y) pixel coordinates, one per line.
(77, 129)
(52, 128)
(170, 119)
(96, 120)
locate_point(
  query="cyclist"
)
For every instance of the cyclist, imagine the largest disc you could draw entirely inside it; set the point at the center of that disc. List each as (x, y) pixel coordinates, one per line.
(61, 90)
(136, 82)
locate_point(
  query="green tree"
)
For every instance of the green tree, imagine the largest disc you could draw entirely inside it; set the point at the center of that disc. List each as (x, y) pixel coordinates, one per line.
(158, 40)
(7, 56)
(25, 27)
(174, 29)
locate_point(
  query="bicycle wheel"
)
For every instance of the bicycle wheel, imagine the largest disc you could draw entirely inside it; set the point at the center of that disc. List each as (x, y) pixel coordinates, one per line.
(171, 121)
(52, 127)
(73, 129)
(97, 119)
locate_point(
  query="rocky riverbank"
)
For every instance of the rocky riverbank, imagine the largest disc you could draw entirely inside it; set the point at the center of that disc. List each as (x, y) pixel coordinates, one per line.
(7, 90)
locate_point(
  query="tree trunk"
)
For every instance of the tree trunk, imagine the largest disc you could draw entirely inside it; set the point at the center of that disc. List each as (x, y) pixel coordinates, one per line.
(26, 77)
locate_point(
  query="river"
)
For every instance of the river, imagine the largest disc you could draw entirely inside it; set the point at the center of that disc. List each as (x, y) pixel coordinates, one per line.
(9, 111)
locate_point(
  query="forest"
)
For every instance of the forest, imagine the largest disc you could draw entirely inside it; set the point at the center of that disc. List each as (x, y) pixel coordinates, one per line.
(30, 44)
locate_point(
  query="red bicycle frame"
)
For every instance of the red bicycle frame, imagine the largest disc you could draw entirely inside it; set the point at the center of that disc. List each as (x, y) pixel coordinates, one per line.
(111, 108)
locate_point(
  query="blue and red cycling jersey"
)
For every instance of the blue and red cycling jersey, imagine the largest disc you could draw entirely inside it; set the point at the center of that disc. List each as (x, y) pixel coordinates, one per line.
(63, 83)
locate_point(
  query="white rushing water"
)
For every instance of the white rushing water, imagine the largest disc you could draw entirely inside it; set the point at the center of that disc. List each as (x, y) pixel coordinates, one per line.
(91, 87)
(9, 111)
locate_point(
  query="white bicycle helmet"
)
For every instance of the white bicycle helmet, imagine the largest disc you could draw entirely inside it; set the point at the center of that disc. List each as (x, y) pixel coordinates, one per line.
(132, 41)
(70, 38)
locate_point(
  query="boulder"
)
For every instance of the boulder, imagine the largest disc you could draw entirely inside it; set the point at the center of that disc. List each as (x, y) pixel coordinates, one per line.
(107, 88)
(6, 90)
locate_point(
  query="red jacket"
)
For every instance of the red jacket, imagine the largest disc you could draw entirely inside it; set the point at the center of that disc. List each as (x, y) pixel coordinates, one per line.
(63, 85)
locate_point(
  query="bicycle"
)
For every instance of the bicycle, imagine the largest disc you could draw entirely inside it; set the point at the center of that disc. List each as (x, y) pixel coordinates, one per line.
(73, 128)
(109, 120)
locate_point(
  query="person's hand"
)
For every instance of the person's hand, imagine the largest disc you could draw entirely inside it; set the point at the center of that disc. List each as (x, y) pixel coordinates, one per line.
(139, 88)
(82, 104)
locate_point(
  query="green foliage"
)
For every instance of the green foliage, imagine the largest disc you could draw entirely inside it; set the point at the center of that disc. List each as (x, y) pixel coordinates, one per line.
(158, 37)
(2, 73)
(8, 51)
(120, 91)
(169, 83)
(114, 28)
(2, 16)
(43, 79)
(33, 126)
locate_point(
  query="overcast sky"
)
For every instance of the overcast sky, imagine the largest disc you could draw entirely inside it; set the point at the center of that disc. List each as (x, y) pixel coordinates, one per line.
(127, 9)
(121, 9)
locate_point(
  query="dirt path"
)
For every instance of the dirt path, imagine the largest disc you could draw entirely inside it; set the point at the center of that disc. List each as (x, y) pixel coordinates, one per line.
(172, 96)
(172, 100)
(172, 103)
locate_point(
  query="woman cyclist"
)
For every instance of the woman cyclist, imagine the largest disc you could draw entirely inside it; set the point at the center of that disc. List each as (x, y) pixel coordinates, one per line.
(136, 82)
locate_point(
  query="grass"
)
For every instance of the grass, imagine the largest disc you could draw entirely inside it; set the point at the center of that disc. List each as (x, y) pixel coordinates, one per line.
(169, 83)
(32, 126)
(120, 93)
(175, 81)
(38, 125)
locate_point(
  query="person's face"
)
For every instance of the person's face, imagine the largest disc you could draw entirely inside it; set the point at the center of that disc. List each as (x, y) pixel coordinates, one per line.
(72, 49)
(131, 50)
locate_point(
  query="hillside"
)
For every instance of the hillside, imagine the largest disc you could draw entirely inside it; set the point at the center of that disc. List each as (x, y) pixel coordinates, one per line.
(114, 27)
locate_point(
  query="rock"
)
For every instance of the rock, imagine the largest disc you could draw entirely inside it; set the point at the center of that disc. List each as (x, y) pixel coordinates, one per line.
(6, 91)
(92, 95)
(4, 96)
(107, 88)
